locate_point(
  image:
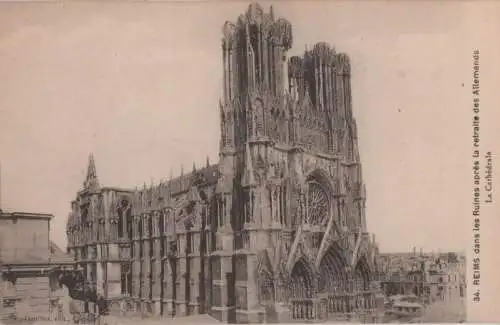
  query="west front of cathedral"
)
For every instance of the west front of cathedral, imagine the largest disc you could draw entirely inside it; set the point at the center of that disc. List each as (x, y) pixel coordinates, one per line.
(275, 231)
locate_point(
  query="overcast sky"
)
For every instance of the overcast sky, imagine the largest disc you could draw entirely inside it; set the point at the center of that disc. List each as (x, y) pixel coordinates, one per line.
(138, 85)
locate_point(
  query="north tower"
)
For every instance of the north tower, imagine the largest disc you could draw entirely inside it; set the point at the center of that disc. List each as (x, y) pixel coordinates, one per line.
(290, 181)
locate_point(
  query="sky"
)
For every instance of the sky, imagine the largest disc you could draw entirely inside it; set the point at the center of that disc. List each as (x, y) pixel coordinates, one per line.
(138, 84)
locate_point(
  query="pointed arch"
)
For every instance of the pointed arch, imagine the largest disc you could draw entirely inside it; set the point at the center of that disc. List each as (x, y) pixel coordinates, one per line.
(302, 280)
(362, 273)
(258, 109)
(321, 176)
(265, 279)
(124, 217)
(263, 262)
(297, 254)
(333, 270)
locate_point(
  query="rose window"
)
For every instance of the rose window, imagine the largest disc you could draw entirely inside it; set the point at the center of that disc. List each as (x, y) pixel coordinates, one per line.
(317, 204)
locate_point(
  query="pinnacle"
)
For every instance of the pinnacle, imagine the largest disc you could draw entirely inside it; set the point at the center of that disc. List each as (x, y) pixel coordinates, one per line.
(91, 179)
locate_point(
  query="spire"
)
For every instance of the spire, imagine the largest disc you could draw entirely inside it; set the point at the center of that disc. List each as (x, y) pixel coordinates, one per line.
(91, 181)
(208, 161)
(194, 167)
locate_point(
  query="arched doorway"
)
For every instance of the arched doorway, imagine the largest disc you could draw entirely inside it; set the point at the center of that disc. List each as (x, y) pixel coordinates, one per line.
(334, 280)
(362, 276)
(302, 280)
(267, 293)
(302, 291)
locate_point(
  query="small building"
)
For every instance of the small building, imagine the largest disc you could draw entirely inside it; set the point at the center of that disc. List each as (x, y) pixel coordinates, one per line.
(30, 265)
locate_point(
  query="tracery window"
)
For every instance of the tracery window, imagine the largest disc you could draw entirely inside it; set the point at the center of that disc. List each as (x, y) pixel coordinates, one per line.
(193, 247)
(283, 204)
(155, 224)
(139, 227)
(179, 245)
(165, 221)
(247, 205)
(250, 120)
(150, 221)
(101, 233)
(317, 204)
(159, 223)
(129, 222)
(266, 288)
(275, 204)
(85, 214)
(259, 118)
(122, 214)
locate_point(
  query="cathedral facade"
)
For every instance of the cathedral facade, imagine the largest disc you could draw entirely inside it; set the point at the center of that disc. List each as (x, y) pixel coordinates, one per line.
(276, 230)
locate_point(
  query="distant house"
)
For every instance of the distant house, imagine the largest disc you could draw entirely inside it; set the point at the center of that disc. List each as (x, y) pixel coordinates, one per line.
(29, 265)
(429, 276)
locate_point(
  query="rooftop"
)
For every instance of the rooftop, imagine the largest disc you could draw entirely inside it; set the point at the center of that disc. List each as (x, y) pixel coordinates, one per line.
(24, 215)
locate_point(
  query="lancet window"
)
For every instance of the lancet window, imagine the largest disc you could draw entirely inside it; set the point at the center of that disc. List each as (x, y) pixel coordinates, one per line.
(125, 278)
(156, 224)
(123, 219)
(161, 222)
(166, 222)
(139, 227)
(85, 214)
(282, 202)
(150, 221)
(271, 203)
(101, 232)
(227, 131)
(221, 211)
(247, 205)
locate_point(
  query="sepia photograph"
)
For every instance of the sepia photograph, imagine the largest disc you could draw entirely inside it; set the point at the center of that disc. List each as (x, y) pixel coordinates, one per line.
(206, 162)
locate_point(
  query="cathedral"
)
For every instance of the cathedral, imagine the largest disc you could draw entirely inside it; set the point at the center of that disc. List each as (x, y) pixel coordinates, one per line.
(275, 231)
